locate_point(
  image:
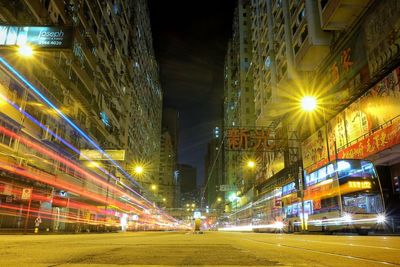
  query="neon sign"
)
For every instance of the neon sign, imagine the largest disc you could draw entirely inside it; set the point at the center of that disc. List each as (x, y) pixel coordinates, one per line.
(360, 184)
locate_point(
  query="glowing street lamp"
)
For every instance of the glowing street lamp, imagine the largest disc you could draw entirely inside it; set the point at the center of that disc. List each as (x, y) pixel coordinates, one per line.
(25, 50)
(153, 187)
(251, 164)
(308, 103)
(219, 199)
(139, 170)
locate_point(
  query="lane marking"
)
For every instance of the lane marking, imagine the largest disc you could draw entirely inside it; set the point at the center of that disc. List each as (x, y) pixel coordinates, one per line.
(353, 245)
(324, 253)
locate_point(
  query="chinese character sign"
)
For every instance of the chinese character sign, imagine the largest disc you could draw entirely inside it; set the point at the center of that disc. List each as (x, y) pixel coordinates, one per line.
(254, 139)
(367, 126)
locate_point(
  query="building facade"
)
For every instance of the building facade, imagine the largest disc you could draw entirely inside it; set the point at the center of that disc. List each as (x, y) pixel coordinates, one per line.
(238, 94)
(214, 171)
(348, 59)
(102, 93)
(167, 185)
(187, 176)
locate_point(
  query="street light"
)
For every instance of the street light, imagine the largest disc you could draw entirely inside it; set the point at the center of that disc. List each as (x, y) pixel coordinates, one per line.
(153, 187)
(308, 103)
(25, 50)
(251, 164)
(139, 170)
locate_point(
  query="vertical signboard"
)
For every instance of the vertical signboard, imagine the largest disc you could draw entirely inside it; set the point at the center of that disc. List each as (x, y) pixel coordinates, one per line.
(315, 150)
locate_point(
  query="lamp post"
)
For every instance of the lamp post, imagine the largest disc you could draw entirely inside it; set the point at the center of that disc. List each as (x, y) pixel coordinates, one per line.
(310, 104)
(138, 170)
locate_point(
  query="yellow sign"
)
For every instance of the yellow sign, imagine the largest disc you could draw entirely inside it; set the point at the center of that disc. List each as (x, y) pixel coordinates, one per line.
(26, 193)
(92, 154)
(360, 184)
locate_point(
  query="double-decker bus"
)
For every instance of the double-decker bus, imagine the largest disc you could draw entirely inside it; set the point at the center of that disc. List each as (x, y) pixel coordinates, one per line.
(267, 212)
(344, 194)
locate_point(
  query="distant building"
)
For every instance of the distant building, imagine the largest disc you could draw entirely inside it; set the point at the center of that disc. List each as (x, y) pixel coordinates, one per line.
(166, 182)
(214, 170)
(170, 122)
(188, 176)
(169, 156)
(239, 108)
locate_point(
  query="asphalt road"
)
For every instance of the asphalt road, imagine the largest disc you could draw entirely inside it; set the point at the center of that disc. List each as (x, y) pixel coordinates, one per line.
(208, 249)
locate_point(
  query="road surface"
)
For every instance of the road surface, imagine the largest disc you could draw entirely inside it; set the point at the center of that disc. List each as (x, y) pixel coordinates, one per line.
(208, 249)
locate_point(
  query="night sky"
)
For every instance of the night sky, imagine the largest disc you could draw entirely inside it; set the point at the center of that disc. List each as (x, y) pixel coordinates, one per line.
(190, 40)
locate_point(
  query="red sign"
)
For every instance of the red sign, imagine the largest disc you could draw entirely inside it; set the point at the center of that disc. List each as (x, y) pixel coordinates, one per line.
(374, 143)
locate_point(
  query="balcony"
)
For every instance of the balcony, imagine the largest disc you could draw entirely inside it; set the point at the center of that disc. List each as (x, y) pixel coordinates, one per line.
(340, 14)
(311, 43)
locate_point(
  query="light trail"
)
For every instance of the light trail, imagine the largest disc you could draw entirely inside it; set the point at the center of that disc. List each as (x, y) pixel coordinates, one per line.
(58, 183)
(62, 115)
(67, 162)
(45, 128)
(10, 69)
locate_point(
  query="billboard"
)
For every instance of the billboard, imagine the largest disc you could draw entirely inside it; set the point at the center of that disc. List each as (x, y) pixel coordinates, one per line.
(38, 36)
(367, 126)
(315, 150)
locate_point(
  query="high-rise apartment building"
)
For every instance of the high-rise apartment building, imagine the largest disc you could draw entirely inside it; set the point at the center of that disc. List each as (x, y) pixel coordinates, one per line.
(170, 121)
(167, 183)
(214, 170)
(169, 178)
(238, 90)
(346, 57)
(187, 177)
(107, 91)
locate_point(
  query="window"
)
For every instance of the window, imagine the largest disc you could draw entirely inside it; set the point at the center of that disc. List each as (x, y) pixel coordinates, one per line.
(363, 203)
(5, 139)
(17, 92)
(81, 117)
